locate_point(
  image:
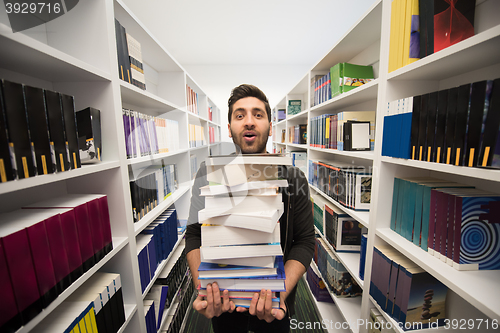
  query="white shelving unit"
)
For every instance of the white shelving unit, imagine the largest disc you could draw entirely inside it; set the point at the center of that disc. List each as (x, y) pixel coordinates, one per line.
(367, 43)
(76, 54)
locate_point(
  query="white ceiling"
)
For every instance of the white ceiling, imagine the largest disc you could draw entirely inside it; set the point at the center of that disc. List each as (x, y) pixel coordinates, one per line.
(234, 32)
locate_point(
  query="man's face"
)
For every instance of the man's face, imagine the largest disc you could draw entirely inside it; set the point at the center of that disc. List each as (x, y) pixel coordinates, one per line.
(249, 127)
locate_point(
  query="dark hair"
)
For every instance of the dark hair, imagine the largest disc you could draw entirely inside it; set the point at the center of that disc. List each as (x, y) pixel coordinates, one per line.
(247, 90)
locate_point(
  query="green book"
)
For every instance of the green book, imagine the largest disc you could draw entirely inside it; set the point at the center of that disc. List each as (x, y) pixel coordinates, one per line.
(355, 76)
(294, 106)
(336, 77)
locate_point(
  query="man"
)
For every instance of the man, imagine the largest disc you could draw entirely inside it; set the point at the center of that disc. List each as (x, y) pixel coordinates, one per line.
(249, 126)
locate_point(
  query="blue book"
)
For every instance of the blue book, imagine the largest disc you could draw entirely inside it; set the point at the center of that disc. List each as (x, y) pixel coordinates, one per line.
(405, 138)
(386, 136)
(409, 211)
(395, 202)
(151, 258)
(417, 222)
(362, 257)
(217, 271)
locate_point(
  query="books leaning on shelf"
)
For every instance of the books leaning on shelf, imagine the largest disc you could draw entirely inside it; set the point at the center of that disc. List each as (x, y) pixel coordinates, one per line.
(342, 231)
(45, 248)
(196, 136)
(333, 272)
(345, 77)
(405, 291)
(318, 204)
(431, 214)
(191, 100)
(281, 114)
(321, 86)
(129, 55)
(148, 135)
(38, 132)
(347, 184)
(211, 135)
(297, 134)
(458, 126)
(294, 106)
(88, 123)
(151, 186)
(317, 286)
(328, 131)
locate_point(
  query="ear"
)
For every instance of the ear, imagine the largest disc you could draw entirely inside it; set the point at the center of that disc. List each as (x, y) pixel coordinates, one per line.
(229, 130)
(270, 129)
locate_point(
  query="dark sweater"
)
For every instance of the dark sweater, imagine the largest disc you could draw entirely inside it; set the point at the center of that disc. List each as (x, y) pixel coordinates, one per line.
(296, 223)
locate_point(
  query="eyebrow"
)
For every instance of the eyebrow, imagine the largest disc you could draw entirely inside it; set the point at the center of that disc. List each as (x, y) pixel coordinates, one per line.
(254, 109)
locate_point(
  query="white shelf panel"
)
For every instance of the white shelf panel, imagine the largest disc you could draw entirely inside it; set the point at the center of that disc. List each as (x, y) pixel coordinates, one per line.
(142, 98)
(279, 143)
(213, 123)
(476, 52)
(349, 260)
(130, 309)
(465, 283)
(479, 173)
(139, 160)
(23, 54)
(302, 115)
(301, 146)
(171, 259)
(365, 155)
(359, 95)
(349, 307)
(26, 183)
(360, 216)
(280, 123)
(196, 148)
(152, 215)
(118, 244)
(197, 117)
(328, 312)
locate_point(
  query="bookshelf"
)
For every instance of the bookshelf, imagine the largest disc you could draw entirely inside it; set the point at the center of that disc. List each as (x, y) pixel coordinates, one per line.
(76, 54)
(367, 43)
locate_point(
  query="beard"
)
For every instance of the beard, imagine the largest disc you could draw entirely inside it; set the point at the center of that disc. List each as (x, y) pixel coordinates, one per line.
(256, 147)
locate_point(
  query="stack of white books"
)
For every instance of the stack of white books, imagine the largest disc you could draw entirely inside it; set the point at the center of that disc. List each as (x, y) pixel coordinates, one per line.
(240, 232)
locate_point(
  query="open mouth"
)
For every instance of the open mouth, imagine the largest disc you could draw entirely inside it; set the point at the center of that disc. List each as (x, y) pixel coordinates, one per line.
(249, 136)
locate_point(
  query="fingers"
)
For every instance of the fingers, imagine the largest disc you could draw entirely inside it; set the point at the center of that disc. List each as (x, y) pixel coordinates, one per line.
(253, 304)
(216, 299)
(261, 303)
(199, 304)
(226, 303)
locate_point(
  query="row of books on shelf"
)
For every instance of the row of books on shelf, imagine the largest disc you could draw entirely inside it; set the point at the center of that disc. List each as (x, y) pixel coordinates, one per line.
(129, 54)
(155, 243)
(336, 276)
(317, 286)
(191, 100)
(165, 288)
(297, 134)
(97, 306)
(420, 28)
(150, 187)
(196, 136)
(458, 126)
(454, 222)
(279, 115)
(340, 230)
(147, 135)
(341, 78)
(210, 113)
(47, 246)
(406, 292)
(345, 131)
(347, 184)
(40, 133)
(211, 135)
(174, 321)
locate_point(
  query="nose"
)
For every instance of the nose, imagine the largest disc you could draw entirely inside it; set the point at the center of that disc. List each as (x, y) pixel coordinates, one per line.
(250, 121)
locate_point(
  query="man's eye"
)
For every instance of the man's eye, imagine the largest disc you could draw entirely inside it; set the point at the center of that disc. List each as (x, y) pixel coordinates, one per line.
(259, 115)
(239, 116)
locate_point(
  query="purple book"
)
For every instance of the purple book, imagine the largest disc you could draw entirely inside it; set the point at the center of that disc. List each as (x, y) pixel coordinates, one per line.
(10, 320)
(133, 142)
(58, 251)
(126, 127)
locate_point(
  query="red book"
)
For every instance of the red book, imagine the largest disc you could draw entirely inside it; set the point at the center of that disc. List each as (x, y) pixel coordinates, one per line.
(58, 251)
(16, 247)
(10, 320)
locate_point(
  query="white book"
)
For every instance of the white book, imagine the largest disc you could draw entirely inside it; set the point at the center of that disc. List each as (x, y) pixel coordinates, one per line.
(223, 189)
(239, 251)
(271, 159)
(236, 174)
(243, 203)
(217, 235)
(258, 220)
(267, 261)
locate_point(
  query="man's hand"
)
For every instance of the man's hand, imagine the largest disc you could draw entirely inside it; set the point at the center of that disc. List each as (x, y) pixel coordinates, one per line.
(261, 306)
(213, 306)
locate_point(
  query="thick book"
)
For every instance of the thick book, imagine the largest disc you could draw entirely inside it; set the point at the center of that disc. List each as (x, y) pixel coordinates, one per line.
(89, 135)
(57, 130)
(249, 203)
(415, 124)
(453, 22)
(10, 321)
(356, 135)
(451, 115)
(431, 127)
(490, 144)
(240, 251)
(39, 129)
(68, 107)
(442, 103)
(7, 163)
(422, 128)
(216, 271)
(250, 219)
(267, 261)
(217, 235)
(461, 123)
(355, 76)
(250, 188)
(479, 100)
(426, 23)
(17, 127)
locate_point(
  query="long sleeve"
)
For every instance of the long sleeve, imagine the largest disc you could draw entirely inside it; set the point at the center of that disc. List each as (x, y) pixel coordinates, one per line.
(193, 230)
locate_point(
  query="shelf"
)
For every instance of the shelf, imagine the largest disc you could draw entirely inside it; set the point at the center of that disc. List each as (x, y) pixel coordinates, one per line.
(171, 259)
(197, 117)
(139, 160)
(349, 260)
(295, 145)
(329, 313)
(26, 183)
(280, 123)
(144, 99)
(359, 95)
(360, 216)
(196, 148)
(480, 173)
(476, 52)
(301, 115)
(118, 244)
(130, 309)
(465, 283)
(152, 215)
(365, 155)
(279, 143)
(23, 54)
(349, 307)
